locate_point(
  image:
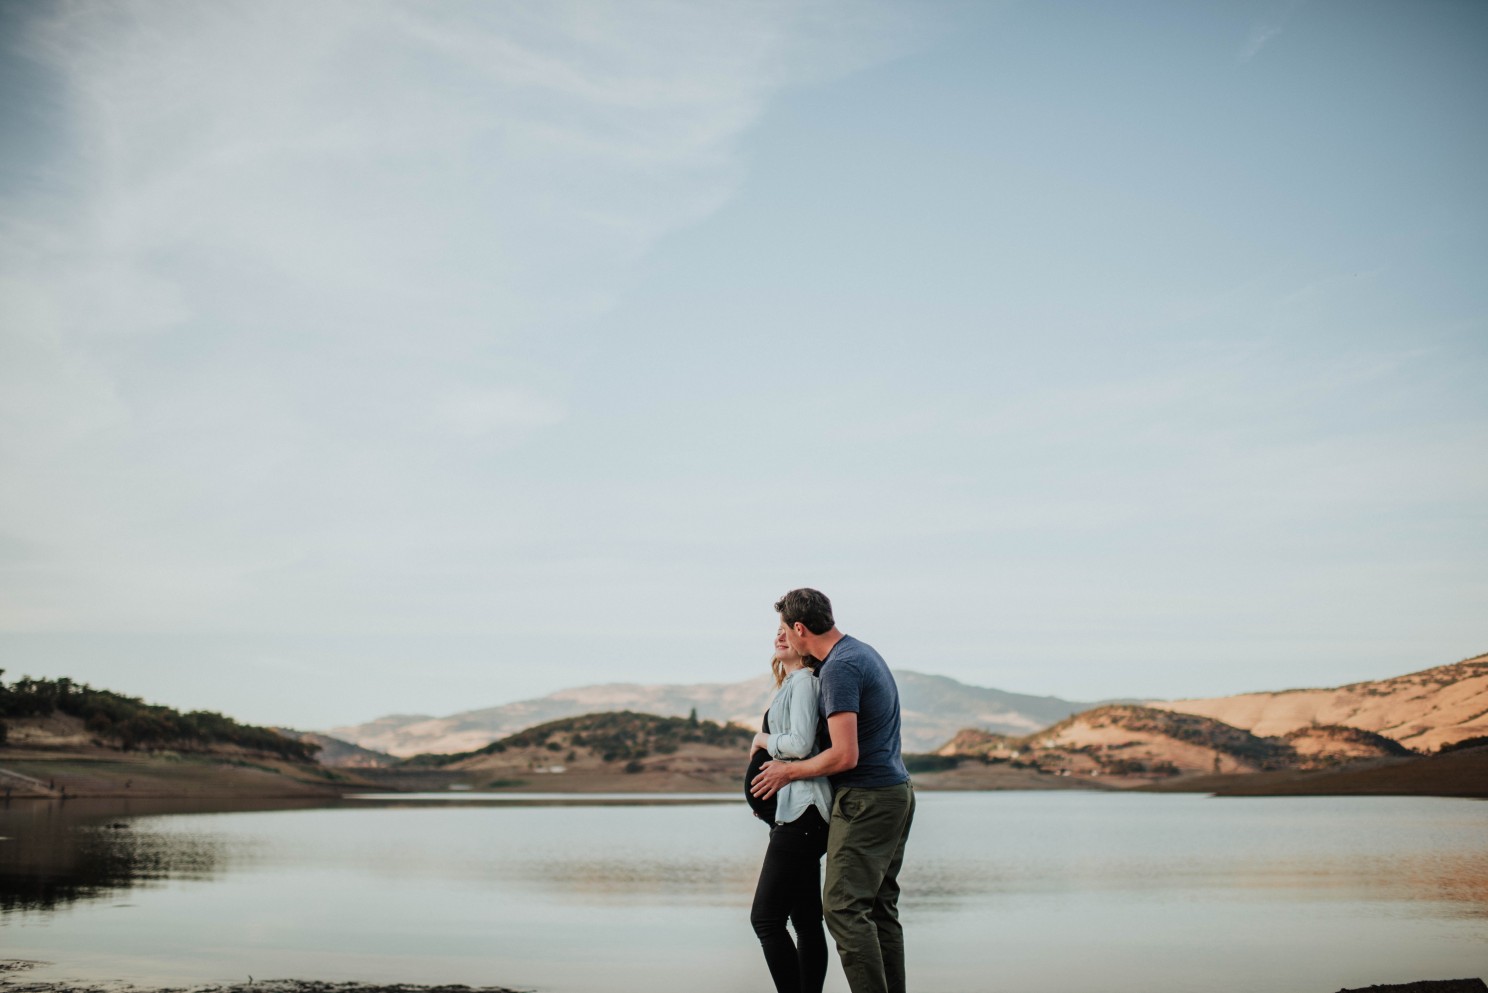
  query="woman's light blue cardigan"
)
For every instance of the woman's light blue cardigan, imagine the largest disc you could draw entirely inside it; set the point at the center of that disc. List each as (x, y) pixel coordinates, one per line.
(793, 720)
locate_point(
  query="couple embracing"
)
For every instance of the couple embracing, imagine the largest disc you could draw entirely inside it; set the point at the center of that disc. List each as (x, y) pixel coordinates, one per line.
(844, 793)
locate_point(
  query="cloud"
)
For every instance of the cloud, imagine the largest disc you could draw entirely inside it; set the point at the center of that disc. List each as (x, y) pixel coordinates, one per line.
(1263, 32)
(1260, 35)
(450, 160)
(298, 281)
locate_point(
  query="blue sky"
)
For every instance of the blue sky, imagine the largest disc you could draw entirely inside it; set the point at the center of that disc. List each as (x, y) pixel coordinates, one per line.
(377, 358)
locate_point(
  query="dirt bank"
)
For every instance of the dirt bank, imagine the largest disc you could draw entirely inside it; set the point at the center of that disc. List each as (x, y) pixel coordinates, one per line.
(99, 772)
(1455, 774)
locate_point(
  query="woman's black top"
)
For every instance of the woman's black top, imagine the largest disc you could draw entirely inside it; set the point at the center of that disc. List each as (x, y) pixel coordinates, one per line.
(763, 809)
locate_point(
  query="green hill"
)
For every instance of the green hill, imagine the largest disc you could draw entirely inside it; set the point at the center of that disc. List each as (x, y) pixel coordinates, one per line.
(612, 736)
(130, 724)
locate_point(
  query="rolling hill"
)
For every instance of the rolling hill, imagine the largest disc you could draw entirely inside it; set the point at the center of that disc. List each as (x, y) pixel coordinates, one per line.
(612, 751)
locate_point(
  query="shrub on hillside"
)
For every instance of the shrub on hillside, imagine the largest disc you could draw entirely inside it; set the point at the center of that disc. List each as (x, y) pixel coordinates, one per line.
(615, 736)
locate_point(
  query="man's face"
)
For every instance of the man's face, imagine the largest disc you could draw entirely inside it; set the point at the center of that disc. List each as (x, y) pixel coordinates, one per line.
(793, 633)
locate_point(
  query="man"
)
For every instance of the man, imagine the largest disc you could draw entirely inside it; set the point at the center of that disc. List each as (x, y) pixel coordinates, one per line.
(873, 804)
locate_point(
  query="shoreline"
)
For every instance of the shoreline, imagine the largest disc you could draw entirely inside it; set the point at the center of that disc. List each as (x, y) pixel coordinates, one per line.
(78, 774)
(15, 977)
(1459, 775)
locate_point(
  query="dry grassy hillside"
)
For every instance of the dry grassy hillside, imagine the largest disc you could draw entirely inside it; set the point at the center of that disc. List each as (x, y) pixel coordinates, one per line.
(1123, 740)
(1141, 743)
(1423, 710)
(1324, 746)
(56, 756)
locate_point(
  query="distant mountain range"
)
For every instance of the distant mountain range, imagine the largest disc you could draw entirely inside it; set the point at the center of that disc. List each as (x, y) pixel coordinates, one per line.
(337, 753)
(1423, 711)
(933, 709)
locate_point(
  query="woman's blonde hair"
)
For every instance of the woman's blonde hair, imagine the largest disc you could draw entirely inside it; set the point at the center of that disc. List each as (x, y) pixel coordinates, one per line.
(778, 668)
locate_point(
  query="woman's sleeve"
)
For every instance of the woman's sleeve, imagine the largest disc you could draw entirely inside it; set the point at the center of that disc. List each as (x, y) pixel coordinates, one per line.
(797, 742)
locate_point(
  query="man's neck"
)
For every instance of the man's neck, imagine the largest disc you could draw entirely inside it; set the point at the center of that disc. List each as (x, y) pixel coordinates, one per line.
(821, 645)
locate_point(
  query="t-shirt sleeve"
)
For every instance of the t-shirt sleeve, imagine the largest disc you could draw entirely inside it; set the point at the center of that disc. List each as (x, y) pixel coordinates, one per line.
(839, 690)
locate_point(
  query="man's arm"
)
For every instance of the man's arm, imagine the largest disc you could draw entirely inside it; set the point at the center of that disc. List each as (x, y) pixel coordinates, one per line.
(842, 756)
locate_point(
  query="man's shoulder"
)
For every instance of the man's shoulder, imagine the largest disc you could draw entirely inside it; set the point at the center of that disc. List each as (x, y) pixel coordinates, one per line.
(849, 647)
(854, 652)
(852, 659)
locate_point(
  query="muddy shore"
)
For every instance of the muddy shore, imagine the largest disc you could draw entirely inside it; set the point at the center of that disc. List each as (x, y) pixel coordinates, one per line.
(15, 977)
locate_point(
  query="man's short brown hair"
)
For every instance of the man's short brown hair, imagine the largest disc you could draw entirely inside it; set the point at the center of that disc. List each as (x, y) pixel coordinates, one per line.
(808, 607)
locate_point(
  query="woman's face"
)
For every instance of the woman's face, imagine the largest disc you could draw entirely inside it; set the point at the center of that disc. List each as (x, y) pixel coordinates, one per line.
(782, 647)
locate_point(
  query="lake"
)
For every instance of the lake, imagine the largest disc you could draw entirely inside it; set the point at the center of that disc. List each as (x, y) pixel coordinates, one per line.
(1047, 892)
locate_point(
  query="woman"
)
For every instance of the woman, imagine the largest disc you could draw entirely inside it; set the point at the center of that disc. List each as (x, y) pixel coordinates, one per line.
(790, 880)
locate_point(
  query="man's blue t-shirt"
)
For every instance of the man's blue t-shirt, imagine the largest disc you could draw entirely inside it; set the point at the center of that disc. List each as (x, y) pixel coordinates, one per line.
(855, 678)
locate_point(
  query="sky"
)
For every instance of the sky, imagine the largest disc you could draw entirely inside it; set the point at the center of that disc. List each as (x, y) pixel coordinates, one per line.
(369, 358)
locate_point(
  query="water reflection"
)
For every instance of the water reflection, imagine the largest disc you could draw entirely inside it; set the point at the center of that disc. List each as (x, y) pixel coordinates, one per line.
(498, 893)
(1337, 849)
(1458, 882)
(627, 881)
(55, 852)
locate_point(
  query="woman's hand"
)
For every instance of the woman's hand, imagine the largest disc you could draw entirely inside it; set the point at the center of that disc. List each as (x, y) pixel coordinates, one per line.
(761, 742)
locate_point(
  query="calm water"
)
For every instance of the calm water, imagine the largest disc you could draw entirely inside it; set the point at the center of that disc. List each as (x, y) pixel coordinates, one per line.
(1016, 892)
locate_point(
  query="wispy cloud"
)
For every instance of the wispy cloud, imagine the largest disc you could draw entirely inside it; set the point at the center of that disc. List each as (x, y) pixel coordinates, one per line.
(1264, 32)
(1260, 35)
(299, 273)
(386, 335)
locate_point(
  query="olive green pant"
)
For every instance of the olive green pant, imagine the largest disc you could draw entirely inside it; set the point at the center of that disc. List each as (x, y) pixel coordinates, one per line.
(860, 898)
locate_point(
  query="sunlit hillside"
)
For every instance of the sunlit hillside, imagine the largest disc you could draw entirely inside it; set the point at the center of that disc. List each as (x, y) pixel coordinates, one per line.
(1423, 710)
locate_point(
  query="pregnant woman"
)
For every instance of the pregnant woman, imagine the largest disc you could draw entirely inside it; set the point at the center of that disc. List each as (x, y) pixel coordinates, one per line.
(790, 880)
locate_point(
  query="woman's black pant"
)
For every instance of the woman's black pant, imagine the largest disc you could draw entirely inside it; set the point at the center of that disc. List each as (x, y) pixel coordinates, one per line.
(790, 887)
